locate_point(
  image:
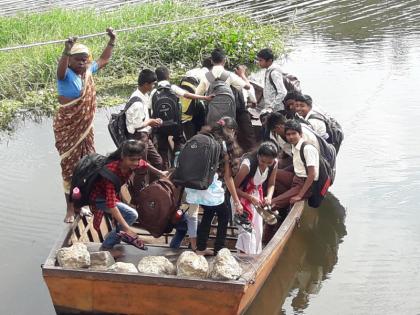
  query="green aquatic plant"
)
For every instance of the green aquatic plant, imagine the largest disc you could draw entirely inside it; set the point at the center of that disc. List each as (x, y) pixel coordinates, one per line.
(27, 76)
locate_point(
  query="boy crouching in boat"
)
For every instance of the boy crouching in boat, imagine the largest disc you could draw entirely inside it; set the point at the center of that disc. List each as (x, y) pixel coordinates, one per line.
(297, 184)
(104, 197)
(256, 169)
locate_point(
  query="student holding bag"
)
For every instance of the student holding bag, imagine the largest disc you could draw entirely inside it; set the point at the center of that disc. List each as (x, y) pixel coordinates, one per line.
(218, 145)
(257, 169)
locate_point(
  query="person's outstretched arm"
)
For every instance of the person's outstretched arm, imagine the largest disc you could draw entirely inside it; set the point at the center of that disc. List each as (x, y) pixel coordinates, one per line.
(106, 54)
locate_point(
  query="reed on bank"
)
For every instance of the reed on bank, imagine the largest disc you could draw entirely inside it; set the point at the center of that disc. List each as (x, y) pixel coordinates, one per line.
(27, 76)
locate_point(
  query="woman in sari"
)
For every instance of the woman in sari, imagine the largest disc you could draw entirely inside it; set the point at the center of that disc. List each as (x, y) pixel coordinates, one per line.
(73, 123)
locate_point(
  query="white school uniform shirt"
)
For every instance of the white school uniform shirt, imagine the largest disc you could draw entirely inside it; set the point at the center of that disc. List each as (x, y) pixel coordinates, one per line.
(233, 80)
(273, 97)
(197, 73)
(317, 125)
(138, 113)
(311, 156)
(307, 135)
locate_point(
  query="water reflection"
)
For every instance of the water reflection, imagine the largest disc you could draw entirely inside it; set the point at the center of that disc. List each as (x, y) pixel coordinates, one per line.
(309, 258)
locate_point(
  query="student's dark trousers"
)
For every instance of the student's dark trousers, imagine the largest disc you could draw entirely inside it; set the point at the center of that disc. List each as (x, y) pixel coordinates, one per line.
(246, 135)
(205, 225)
(163, 143)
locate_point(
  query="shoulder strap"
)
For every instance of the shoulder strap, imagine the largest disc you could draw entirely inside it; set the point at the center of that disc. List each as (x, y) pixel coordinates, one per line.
(224, 76)
(106, 173)
(302, 155)
(210, 77)
(317, 116)
(271, 79)
(131, 101)
(253, 164)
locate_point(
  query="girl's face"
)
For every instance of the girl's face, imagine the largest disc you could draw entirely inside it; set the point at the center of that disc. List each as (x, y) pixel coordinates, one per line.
(131, 162)
(265, 161)
(229, 131)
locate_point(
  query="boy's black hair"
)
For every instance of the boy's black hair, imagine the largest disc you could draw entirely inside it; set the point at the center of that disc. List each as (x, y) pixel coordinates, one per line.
(291, 95)
(162, 73)
(266, 54)
(275, 119)
(218, 56)
(304, 99)
(146, 76)
(269, 149)
(207, 63)
(293, 125)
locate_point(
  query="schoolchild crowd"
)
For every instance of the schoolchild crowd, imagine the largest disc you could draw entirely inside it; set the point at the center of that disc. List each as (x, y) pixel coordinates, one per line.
(201, 133)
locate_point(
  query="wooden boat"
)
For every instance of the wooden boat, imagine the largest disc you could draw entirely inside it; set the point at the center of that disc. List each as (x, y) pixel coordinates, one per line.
(83, 291)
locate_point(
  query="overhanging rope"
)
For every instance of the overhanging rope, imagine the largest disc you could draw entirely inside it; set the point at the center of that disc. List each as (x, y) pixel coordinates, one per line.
(128, 29)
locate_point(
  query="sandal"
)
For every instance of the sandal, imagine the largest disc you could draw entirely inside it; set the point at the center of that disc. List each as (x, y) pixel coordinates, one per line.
(267, 216)
(135, 241)
(242, 220)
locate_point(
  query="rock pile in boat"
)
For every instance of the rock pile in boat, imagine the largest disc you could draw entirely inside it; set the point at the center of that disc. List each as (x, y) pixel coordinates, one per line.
(101, 260)
(123, 267)
(75, 256)
(158, 265)
(225, 266)
(190, 264)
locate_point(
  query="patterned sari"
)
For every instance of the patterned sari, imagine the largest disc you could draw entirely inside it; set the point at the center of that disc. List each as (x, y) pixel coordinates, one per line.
(73, 130)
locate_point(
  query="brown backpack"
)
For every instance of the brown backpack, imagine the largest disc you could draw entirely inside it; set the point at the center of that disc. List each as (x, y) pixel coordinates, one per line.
(157, 204)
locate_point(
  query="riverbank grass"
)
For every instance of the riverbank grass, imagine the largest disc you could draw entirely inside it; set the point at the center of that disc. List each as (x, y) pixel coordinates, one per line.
(27, 76)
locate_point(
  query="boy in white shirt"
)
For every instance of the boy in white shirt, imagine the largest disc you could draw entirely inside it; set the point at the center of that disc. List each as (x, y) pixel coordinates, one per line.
(139, 126)
(274, 89)
(303, 176)
(303, 105)
(295, 186)
(239, 80)
(163, 75)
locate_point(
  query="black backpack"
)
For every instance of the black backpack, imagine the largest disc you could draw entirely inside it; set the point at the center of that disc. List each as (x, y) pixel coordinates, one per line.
(291, 82)
(117, 125)
(165, 105)
(334, 129)
(198, 162)
(87, 171)
(253, 169)
(327, 158)
(224, 103)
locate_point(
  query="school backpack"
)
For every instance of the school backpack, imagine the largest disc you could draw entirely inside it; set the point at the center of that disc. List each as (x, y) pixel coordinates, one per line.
(165, 105)
(191, 107)
(291, 82)
(334, 129)
(156, 206)
(197, 162)
(223, 103)
(88, 170)
(327, 158)
(117, 125)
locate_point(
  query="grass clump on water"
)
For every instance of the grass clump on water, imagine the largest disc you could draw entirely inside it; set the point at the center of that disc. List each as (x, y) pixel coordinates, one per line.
(28, 76)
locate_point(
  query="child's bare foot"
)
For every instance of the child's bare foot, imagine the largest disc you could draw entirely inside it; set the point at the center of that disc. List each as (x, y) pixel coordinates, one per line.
(206, 252)
(69, 218)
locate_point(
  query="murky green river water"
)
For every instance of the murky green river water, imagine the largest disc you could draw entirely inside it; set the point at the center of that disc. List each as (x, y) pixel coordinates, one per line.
(360, 253)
